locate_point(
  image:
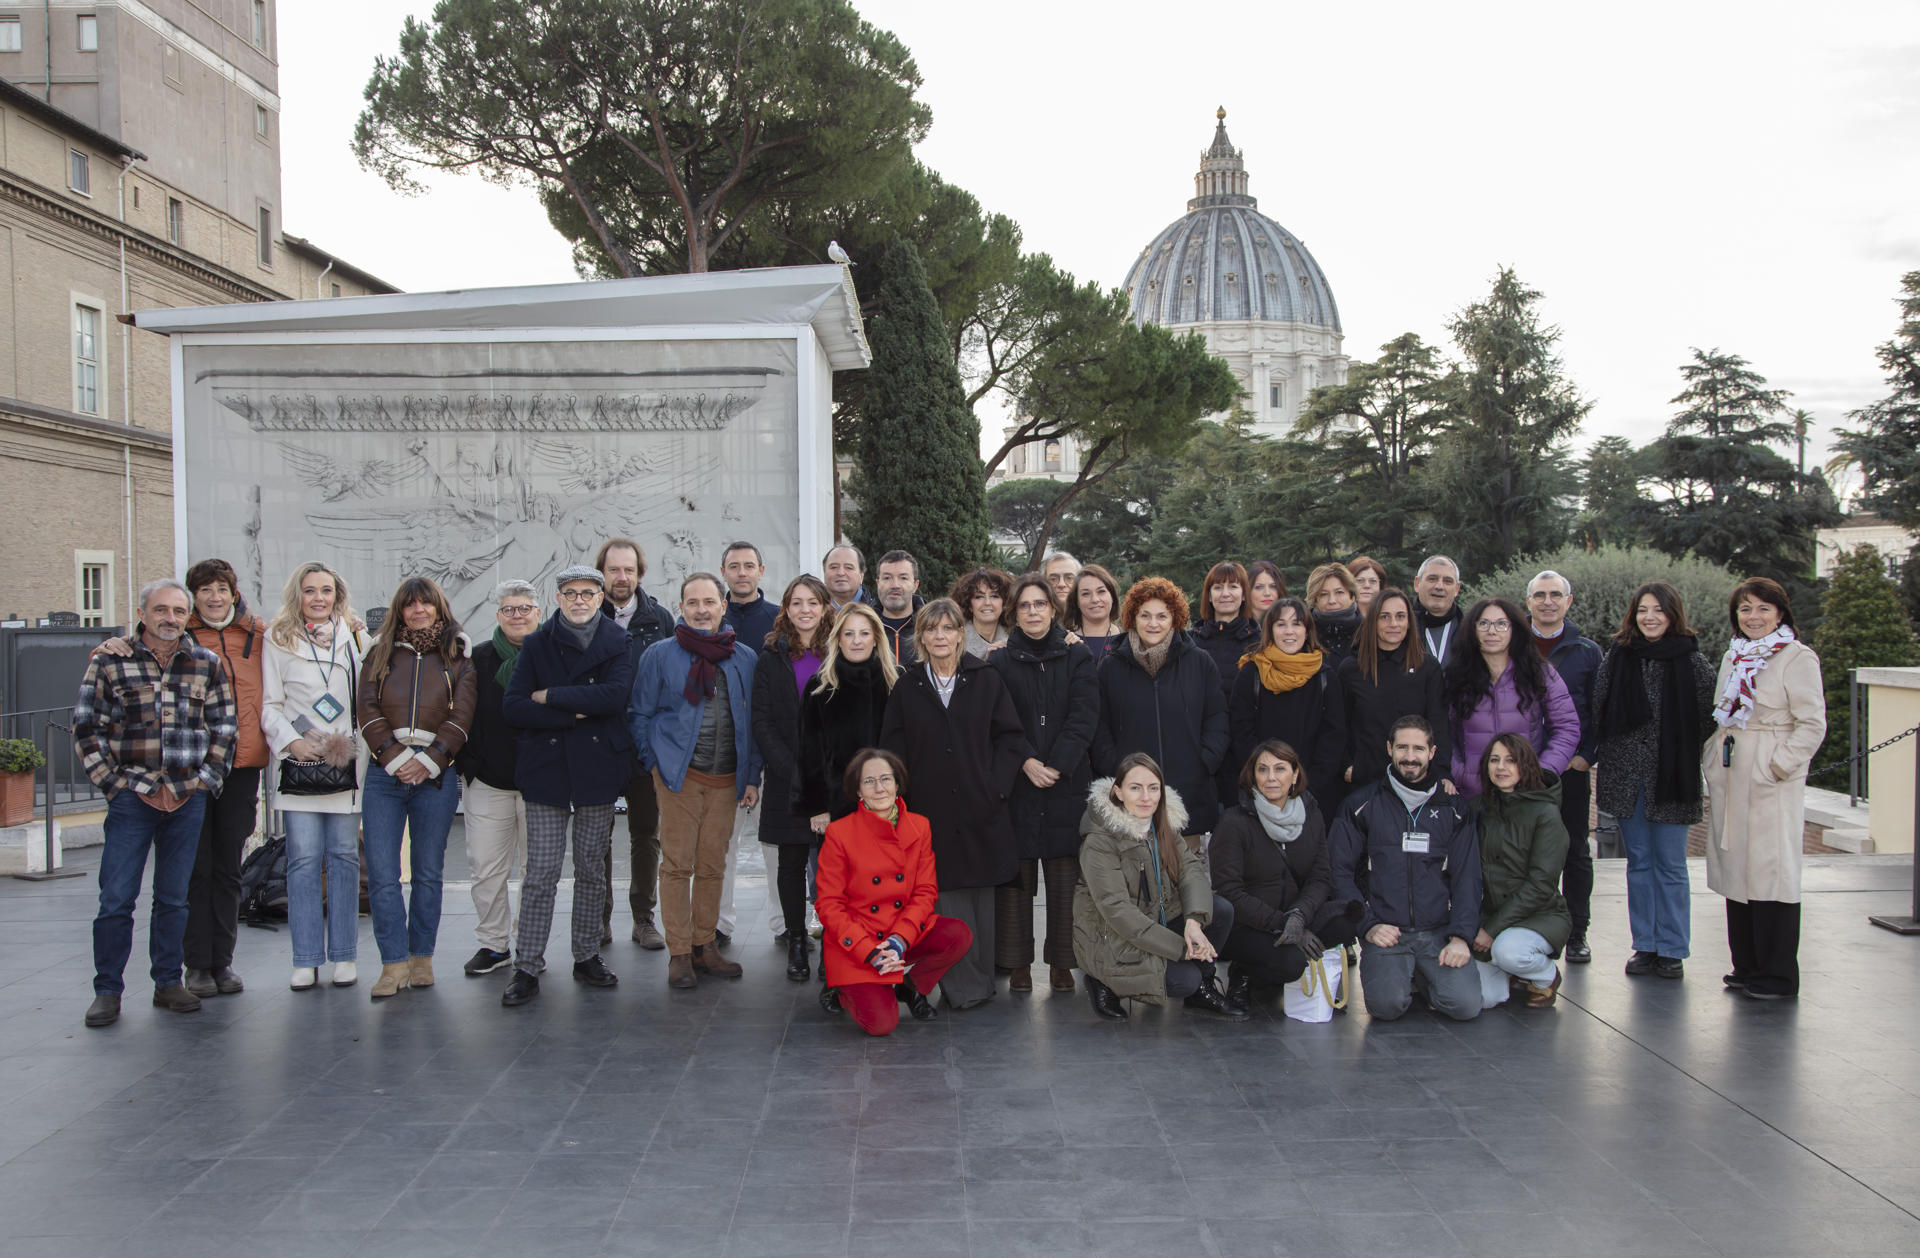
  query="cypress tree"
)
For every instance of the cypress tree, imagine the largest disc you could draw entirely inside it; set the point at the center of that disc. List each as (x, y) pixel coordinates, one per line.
(918, 481)
(1864, 626)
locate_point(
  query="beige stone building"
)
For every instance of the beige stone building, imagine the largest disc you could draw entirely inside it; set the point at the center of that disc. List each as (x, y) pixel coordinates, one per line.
(139, 167)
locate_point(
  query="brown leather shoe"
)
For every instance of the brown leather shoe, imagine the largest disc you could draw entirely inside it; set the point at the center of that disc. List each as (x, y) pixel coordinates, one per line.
(1021, 979)
(1060, 978)
(420, 971)
(176, 999)
(1539, 997)
(707, 960)
(680, 971)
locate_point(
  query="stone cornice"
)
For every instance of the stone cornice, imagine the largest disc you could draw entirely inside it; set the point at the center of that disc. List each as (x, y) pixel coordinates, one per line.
(32, 414)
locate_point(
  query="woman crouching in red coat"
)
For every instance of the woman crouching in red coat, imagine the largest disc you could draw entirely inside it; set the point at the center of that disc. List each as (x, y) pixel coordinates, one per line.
(883, 943)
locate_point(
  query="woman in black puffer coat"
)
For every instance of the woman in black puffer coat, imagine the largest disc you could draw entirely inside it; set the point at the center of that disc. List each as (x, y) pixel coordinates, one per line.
(1052, 685)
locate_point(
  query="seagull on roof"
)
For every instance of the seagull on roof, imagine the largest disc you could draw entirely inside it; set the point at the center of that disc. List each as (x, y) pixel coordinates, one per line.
(838, 254)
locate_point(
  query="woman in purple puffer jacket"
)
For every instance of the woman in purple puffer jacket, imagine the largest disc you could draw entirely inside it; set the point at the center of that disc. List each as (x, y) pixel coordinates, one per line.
(1498, 683)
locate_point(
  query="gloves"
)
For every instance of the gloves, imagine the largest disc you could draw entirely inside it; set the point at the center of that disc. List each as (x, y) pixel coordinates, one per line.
(1296, 934)
(893, 947)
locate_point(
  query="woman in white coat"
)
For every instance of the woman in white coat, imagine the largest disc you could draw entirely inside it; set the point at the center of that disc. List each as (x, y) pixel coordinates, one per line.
(310, 674)
(1771, 710)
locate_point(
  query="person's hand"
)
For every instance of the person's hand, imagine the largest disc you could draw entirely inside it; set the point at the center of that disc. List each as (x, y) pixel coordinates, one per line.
(1455, 954)
(412, 773)
(749, 798)
(1039, 774)
(1073, 637)
(1349, 775)
(1578, 764)
(301, 749)
(539, 696)
(114, 646)
(887, 961)
(1295, 933)
(357, 625)
(1446, 784)
(818, 822)
(1482, 941)
(1384, 935)
(1199, 947)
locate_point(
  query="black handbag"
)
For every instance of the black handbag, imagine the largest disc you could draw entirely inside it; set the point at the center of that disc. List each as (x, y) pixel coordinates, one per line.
(317, 777)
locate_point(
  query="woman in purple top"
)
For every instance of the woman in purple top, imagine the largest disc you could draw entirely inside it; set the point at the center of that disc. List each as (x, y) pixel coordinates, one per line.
(794, 651)
(1496, 687)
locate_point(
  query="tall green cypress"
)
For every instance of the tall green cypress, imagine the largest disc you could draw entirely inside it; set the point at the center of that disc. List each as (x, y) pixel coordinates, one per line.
(1864, 625)
(918, 482)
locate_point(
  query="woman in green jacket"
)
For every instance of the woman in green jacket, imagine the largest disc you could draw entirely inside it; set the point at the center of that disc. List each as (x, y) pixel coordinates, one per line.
(1524, 922)
(1146, 923)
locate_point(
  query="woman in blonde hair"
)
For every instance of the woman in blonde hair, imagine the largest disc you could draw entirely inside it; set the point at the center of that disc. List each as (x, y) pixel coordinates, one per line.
(1334, 597)
(310, 672)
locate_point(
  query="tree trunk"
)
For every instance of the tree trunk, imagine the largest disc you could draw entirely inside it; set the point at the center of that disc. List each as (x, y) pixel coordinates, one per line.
(1073, 491)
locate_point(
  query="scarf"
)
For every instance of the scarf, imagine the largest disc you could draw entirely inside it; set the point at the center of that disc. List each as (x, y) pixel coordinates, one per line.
(508, 653)
(978, 647)
(321, 635)
(1625, 708)
(1280, 672)
(1336, 629)
(579, 637)
(1414, 794)
(1151, 658)
(1282, 822)
(707, 649)
(1749, 656)
(426, 641)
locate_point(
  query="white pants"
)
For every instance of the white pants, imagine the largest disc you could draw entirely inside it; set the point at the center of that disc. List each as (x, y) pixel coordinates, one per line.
(746, 837)
(496, 823)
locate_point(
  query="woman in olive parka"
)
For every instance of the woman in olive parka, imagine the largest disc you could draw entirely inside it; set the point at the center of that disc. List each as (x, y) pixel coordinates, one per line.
(1524, 922)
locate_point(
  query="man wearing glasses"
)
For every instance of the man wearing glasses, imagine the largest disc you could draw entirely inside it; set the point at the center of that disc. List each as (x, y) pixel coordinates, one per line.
(1576, 659)
(567, 699)
(496, 816)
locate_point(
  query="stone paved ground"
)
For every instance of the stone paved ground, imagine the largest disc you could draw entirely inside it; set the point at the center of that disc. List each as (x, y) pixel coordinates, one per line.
(1640, 1117)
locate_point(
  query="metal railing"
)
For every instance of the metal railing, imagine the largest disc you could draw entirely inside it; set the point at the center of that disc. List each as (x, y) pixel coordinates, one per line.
(59, 782)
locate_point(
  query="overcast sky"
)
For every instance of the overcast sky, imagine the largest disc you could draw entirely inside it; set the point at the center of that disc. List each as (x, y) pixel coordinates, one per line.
(1668, 175)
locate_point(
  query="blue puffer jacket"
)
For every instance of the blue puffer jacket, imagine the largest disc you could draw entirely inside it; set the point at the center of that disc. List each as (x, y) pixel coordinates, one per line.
(665, 726)
(561, 758)
(1435, 890)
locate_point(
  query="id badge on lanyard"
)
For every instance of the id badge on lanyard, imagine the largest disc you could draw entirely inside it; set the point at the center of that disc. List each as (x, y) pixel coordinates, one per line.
(1417, 842)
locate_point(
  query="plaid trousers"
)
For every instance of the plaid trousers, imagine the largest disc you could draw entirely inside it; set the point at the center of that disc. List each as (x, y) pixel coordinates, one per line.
(546, 847)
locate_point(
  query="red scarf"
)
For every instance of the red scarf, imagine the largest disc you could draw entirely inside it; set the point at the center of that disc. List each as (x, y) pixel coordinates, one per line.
(707, 649)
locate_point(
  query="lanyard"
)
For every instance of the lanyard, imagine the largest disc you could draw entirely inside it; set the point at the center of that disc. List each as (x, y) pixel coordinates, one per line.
(333, 657)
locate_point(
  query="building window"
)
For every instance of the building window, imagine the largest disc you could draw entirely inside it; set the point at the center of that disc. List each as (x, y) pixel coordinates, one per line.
(88, 33)
(336, 290)
(266, 236)
(1053, 456)
(261, 123)
(1274, 397)
(86, 358)
(9, 34)
(93, 579)
(176, 221)
(259, 23)
(170, 65)
(79, 173)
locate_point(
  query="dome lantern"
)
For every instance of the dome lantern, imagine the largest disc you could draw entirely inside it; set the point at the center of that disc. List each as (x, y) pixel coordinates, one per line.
(1222, 177)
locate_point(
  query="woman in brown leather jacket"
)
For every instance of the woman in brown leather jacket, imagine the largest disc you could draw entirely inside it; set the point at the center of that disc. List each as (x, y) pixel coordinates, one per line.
(417, 693)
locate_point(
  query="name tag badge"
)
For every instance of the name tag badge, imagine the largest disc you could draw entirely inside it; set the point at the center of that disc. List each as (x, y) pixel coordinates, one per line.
(1415, 841)
(328, 708)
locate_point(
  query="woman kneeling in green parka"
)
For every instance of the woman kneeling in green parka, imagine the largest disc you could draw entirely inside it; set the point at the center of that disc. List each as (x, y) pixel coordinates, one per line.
(1524, 922)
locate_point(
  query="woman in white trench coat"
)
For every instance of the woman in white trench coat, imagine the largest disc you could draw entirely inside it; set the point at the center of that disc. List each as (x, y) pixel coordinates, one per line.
(1771, 709)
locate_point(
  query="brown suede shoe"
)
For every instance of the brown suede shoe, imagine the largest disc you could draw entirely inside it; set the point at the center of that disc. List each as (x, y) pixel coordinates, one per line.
(393, 978)
(176, 999)
(680, 971)
(1060, 978)
(1021, 980)
(707, 960)
(420, 971)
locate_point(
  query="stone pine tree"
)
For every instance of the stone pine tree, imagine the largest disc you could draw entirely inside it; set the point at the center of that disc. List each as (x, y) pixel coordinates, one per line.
(1886, 445)
(1500, 482)
(918, 483)
(1730, 496)
(1864, 626)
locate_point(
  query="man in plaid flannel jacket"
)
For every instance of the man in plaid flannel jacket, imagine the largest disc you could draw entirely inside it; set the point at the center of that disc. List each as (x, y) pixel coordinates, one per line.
(155, 731)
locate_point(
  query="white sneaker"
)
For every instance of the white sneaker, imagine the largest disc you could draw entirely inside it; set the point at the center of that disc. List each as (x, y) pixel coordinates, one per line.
(345, 973)
(304, 976)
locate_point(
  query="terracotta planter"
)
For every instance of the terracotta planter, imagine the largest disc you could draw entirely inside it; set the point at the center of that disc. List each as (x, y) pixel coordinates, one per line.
(16, 798)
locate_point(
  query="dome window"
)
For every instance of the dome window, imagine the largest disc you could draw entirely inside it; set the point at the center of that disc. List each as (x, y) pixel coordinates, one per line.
(1232, 277)
(1188, 282)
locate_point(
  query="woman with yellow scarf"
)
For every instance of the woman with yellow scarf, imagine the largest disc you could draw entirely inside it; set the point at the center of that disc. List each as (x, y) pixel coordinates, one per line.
(1289, 694)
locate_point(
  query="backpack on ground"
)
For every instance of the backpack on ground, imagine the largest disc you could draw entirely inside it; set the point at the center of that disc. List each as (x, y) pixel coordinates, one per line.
(263, 885)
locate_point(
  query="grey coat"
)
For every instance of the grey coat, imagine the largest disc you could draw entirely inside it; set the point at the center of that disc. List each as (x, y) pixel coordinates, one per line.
(1625, 765)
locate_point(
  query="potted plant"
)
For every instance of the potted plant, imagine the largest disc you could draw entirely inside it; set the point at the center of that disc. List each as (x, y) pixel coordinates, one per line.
(19, 757)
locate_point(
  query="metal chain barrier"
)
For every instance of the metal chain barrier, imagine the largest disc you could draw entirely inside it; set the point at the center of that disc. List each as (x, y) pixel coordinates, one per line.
(1839, 765)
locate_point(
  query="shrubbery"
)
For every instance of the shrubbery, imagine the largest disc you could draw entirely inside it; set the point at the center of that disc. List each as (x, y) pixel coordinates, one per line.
(1605, 579)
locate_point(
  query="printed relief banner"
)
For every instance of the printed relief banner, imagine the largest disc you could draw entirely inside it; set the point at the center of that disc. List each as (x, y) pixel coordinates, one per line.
(477, 462)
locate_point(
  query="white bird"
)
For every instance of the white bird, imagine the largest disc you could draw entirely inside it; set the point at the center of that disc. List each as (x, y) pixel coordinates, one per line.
(838, 254)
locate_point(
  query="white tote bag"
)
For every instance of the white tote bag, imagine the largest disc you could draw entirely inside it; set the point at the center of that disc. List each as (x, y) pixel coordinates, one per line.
(1321, 990)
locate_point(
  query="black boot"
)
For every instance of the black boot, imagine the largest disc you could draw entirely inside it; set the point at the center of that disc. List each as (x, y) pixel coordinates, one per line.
(1209, 1000)
(1105, 1003)
(916, 1001)
(830, 998)
(797, 969)
(1240, 988)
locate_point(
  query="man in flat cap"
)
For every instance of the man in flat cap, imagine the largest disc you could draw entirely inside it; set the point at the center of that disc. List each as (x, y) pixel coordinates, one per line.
(567, 702)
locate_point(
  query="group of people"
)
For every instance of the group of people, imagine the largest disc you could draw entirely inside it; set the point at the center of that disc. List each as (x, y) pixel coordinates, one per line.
(1207, 804)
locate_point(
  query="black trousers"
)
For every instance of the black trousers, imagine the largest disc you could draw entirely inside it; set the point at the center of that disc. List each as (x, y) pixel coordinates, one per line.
(1275, 964)
(1184, 977)
(643, 841)
(1013, 914)
(213, 896)
(1576, 881)
(1764, 937)
(790, 881)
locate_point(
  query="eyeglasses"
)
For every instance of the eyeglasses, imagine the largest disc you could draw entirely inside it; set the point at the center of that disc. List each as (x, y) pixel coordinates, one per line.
(1032, 606)
(870, 783)
(579, 596)
(1494, 626)
(517, 609)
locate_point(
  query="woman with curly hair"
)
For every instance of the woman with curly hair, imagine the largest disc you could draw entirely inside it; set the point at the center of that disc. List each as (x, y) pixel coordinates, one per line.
(1161, 694)
(985, 596)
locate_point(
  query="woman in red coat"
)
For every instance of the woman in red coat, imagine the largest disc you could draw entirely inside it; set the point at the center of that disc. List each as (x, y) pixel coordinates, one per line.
(876, 901)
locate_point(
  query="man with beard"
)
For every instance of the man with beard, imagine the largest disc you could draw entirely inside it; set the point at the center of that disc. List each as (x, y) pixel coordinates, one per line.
(750, 614)
(898, 580)
(1437, 586)
(622, 563)
(1410, 853)
(155, 730)
(567, 697)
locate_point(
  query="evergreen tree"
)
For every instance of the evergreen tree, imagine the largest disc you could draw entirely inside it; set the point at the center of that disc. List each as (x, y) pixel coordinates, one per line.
(1886, 446)
(1500, 483)
(1729, 496)
(1202, 518)
(917, 479)
(1017, 508)
(1610, 494)
(1865, 626)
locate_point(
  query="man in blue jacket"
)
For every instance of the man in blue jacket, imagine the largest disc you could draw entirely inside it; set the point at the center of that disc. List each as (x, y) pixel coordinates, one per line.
(1409, 852)
(693, 730)
(1576, 659)
(566, 701)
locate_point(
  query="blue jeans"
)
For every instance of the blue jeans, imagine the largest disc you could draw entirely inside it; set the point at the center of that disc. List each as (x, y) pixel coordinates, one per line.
(133, 826)
(1659, 901)
(425, 814)
(329, 841)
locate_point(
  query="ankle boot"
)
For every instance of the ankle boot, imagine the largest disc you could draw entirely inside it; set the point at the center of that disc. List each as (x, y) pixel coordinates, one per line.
(797, 969)
(707, 960)
(1207, 999)
(1105, 1002)
(1060, 978)
(916, 1001)
(1240, 989)
(1021, 979)
(420, 971)
(393, 977)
